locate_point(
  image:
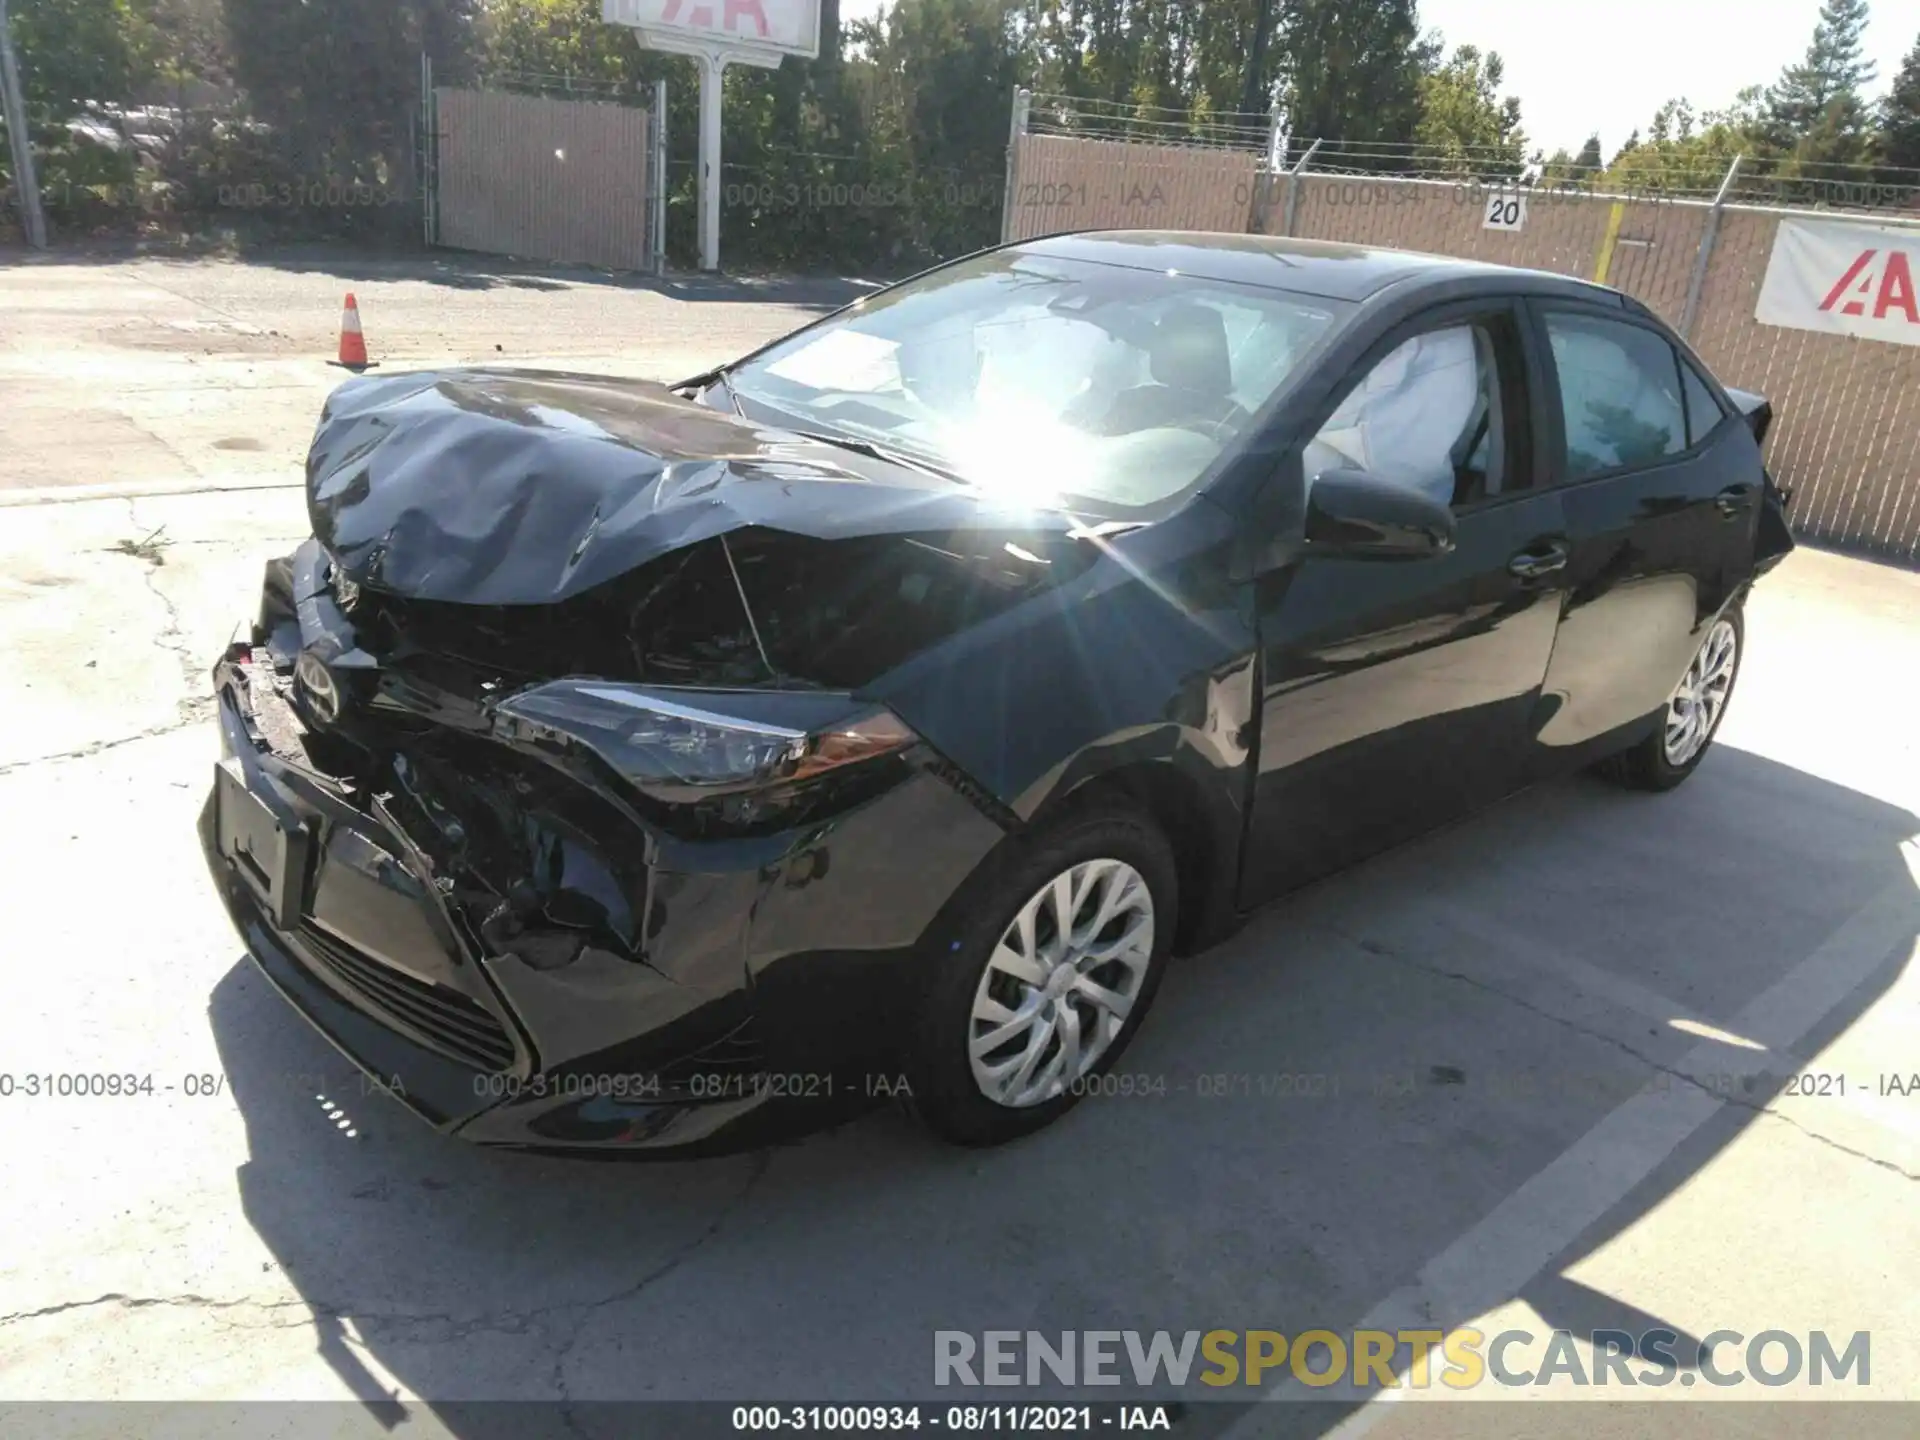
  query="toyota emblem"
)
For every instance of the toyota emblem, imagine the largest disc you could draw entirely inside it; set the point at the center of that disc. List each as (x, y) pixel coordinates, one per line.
(323, 692)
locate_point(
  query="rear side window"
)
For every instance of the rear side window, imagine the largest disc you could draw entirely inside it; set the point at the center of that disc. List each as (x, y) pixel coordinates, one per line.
(1703, 411)
(1619, 394)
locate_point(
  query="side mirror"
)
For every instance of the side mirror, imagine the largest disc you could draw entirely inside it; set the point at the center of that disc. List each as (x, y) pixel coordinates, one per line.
(1358, 516)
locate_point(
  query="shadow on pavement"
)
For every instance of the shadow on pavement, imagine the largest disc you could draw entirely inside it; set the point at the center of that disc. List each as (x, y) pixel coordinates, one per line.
(821, 1270)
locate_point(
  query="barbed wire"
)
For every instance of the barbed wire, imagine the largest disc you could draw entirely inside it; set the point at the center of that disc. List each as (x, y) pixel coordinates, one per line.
(1766, 181)
(1095, 119)
(582, 87)
(1093, 105)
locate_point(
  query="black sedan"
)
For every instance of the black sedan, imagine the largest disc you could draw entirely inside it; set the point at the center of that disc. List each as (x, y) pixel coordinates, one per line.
(667, 769)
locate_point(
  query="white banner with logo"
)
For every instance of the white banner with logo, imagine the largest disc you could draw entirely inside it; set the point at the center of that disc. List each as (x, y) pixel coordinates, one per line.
(1843, 280)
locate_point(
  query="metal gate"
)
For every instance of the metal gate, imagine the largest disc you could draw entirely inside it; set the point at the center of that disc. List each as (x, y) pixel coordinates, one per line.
(542, 179)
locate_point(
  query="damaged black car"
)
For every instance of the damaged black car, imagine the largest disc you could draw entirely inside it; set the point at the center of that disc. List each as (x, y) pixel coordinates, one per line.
(653, 768)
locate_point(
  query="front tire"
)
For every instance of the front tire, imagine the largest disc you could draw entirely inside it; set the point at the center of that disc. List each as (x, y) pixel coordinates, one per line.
(1692, 715)
(1049, 965)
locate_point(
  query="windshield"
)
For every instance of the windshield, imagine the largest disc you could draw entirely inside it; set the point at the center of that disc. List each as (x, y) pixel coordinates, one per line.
(1048, 380)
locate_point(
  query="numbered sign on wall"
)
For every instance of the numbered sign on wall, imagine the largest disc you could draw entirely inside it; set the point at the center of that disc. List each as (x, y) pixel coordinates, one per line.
(1505, 210)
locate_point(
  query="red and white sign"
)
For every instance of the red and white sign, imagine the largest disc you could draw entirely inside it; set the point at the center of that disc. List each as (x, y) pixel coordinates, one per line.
(785, 27)
(1844, 280)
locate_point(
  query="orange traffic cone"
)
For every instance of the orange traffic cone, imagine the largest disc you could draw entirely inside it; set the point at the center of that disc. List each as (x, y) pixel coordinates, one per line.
(353, 343)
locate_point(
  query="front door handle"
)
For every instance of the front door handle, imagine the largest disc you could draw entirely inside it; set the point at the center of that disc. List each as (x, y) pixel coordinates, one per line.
(1733, 500)
(1542, 560)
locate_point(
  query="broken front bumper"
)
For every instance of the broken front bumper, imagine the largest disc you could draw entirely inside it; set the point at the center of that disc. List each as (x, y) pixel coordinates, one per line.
(774, 971)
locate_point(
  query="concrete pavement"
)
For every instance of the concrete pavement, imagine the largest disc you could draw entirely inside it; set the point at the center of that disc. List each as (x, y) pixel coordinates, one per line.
(1542, 1039)
(163, 374)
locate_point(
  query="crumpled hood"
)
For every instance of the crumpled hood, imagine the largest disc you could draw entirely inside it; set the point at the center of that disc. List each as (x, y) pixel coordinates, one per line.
(504, 487)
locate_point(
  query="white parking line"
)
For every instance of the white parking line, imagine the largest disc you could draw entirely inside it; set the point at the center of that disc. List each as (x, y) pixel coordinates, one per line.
(1493, 1261)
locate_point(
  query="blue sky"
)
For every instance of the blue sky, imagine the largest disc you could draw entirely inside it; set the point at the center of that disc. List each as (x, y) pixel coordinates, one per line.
(1610, 66)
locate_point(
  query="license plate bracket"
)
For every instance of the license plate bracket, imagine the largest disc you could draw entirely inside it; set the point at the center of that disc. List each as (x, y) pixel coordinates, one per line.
(267, 848)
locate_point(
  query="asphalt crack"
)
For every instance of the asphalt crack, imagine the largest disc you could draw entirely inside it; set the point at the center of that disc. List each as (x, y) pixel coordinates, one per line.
(188, 1301)
(189, 706)
(194, 705)
(442, 1328)
(445, 1327)
(762, 1162)
(98, 747)
(1827, 1140)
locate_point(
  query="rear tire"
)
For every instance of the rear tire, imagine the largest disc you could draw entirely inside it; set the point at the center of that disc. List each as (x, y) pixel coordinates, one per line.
(1033, 985)
(1692, 716)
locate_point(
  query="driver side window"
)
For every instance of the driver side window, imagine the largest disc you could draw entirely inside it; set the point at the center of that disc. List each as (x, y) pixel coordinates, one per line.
(1427, 416)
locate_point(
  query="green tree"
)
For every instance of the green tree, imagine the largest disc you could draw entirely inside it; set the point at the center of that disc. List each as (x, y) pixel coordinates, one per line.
(1900, 116)
(78, 52)
(1466, 126)
(558, 38)
(188, 42)
(1353, 72)
(1557, 168)
(932, 86)
(1687, 153)
(339, 80)
(75, 54)
(1815, 111)
(1257, 90)
(1202, 60)
(1566, 168)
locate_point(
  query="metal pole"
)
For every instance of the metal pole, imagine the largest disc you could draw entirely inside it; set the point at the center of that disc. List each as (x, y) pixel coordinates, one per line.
(428, 181)
(712, 69)
(1263, 198)
(659, 177)
(1698, 284)
(14, 103)
(1293, 186)
(1016, 127)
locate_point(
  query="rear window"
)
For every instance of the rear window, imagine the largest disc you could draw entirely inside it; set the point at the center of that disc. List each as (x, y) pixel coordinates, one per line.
(1619, 394)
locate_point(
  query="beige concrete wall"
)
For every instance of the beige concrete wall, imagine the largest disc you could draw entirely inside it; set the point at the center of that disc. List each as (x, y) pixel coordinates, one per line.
(1061, 183)
(1440, 218)
(1642, 246)
(1847, 432)
(1846, 436)
(543, 179)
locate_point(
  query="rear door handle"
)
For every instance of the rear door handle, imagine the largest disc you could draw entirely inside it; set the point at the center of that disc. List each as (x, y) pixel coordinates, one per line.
(1733, 500)
(1542, 560)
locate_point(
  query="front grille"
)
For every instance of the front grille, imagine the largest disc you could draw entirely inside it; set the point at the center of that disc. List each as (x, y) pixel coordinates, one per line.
(445, 1019)
(580, 636)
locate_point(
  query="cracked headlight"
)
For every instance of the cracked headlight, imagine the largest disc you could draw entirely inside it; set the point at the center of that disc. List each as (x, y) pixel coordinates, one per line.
(681, 747)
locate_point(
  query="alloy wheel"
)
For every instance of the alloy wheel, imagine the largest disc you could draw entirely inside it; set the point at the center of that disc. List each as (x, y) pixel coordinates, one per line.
(1694, 710)
(1059, 985)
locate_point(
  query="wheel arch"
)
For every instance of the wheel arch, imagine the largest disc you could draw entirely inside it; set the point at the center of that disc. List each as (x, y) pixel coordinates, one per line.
(1203, 831)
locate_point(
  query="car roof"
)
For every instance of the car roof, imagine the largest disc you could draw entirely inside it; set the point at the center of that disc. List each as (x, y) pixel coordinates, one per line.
(1309, 267)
